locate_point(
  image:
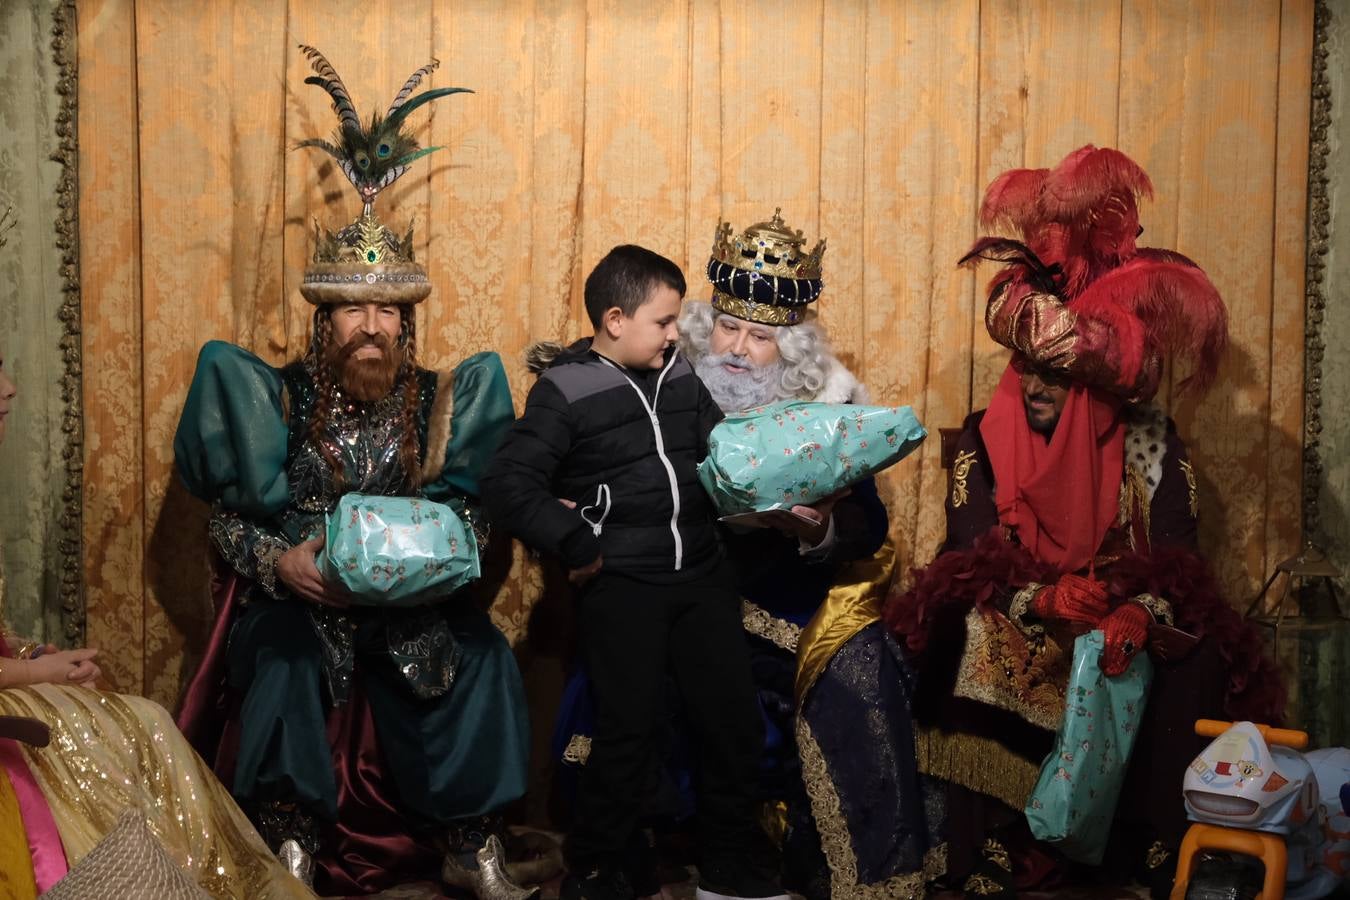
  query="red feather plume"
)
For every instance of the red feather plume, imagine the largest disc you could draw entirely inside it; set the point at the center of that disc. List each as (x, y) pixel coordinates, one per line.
(1013, 199)
(1178, 309)
(1087, 178)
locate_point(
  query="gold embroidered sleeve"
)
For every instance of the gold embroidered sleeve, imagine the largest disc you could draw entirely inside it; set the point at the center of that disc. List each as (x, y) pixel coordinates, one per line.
(1191, 491)
(1021, 605)
(1158, 608)
(960, 473)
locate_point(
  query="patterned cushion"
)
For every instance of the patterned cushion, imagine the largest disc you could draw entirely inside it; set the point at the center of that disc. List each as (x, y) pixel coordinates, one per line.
(129, 863)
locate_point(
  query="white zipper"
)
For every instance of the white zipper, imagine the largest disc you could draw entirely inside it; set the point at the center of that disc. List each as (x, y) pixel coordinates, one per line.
(660, 447)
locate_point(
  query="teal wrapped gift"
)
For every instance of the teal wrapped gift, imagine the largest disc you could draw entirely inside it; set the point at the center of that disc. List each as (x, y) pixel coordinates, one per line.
(1075, 797)
(796, 452)
(397, 551)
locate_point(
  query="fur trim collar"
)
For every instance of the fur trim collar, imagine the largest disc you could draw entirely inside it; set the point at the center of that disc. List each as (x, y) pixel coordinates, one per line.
(841, 386)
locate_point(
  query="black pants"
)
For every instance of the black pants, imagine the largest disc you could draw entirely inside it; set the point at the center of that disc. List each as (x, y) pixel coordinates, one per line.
(632, 634)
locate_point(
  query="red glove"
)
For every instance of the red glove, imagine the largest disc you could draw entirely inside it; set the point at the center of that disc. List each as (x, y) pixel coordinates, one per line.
(1126, 632)
(1073, 599)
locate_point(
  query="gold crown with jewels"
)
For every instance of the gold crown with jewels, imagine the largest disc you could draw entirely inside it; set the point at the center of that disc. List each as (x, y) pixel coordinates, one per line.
(763, 274)
(769, 248)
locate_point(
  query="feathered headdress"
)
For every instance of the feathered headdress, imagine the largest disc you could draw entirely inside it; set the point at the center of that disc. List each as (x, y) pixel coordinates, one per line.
(366, 262)
(1078, 224)
(372, 157)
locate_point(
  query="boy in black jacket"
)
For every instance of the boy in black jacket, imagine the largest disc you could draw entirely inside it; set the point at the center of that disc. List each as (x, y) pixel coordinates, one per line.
(614, 429)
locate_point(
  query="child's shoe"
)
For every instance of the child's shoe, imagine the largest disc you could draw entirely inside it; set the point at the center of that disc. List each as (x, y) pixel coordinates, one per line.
(742, 882)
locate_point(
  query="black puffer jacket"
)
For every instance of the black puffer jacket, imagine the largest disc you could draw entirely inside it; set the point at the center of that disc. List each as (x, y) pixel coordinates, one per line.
(624, 446)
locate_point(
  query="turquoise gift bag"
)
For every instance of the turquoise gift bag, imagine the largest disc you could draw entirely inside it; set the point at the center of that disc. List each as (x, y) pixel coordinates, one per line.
(1075, 797)
(397, 551)
(795, 452)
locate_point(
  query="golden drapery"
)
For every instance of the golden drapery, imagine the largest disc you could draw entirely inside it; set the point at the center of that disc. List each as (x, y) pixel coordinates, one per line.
(874, 124)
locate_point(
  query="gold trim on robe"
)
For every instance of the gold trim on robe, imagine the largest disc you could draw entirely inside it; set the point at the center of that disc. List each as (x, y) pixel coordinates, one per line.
(761, 623)
(853, 603)
(835, 840)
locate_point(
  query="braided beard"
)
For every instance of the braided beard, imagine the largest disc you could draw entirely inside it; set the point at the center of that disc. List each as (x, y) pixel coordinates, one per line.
(364, 380)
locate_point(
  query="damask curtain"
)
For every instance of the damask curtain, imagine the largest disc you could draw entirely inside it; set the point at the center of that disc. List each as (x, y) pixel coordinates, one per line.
(874, 124)
(33, 457)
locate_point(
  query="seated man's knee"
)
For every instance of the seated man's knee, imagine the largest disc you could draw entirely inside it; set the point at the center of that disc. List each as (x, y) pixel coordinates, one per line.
(276, 637)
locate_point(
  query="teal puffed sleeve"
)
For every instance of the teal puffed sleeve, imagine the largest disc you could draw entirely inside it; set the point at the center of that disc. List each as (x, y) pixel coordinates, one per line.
(480, 416)
(230, 447)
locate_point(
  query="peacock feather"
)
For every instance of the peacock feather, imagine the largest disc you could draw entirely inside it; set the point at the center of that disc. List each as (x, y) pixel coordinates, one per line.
(375, 156)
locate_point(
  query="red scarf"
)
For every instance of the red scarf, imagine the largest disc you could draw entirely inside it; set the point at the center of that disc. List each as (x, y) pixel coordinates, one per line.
(1060, 496)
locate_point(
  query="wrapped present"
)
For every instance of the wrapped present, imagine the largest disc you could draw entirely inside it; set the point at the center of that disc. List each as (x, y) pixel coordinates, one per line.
(397, 551)
(794, 453)
(1074, 800)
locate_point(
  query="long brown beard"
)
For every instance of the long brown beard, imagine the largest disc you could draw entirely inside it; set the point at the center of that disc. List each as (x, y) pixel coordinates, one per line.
(364, 380)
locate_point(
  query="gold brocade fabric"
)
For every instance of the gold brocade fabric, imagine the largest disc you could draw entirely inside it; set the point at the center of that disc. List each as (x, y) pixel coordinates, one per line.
(109, 752)
(16, 863)
(853, 603)
(1006, 668)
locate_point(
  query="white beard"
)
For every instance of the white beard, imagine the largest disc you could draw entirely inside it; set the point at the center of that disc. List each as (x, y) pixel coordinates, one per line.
(735, 392)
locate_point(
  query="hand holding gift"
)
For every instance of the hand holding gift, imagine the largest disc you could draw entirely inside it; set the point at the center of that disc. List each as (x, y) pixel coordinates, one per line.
(1073, 599)
(298, 569)
(796, 454)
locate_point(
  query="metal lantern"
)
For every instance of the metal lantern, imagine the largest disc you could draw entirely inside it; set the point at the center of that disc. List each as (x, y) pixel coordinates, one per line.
(1309, 633)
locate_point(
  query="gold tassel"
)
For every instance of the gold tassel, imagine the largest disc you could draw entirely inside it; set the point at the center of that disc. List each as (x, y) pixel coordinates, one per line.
(978, 763)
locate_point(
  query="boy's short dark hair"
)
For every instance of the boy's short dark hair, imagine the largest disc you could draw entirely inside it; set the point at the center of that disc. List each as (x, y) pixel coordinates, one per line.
(625, 278)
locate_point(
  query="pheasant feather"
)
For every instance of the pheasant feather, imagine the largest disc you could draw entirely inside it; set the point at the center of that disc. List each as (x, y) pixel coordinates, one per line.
(328, 80)
(376, 155)
(411, 84)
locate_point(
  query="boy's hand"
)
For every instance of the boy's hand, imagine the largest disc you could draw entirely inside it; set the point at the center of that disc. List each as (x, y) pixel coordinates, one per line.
(586, 572)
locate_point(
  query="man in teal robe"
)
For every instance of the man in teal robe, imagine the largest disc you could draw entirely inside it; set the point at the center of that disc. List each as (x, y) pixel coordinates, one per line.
(371, 738)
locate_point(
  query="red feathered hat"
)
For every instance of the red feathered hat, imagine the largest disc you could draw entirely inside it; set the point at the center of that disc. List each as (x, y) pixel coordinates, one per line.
(1109, 311)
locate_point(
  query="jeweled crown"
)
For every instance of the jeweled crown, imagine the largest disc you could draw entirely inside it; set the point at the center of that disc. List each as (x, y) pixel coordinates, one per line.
(366, 241)
(762, 275)
(769, 248)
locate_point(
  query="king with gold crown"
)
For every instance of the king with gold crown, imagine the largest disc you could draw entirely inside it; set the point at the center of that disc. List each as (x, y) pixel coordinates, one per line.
(369, 739)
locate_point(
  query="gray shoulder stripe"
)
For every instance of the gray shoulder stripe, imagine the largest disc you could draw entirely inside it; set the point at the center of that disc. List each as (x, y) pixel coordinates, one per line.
(576, 381)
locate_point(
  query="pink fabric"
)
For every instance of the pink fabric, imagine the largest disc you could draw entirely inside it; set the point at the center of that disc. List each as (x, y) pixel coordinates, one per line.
(44, 841)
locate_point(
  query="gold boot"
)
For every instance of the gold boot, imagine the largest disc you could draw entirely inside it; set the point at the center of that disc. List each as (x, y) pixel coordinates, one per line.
(484, 874)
